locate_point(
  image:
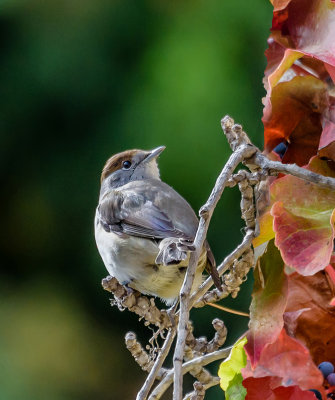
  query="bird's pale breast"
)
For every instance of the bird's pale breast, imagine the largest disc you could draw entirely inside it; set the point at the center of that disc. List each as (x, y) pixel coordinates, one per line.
(131, 260)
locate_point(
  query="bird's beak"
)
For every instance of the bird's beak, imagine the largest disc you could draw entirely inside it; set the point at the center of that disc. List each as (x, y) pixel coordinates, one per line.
(154, 153)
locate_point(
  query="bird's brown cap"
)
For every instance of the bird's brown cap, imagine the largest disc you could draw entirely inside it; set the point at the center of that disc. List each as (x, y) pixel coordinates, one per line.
(115, 162)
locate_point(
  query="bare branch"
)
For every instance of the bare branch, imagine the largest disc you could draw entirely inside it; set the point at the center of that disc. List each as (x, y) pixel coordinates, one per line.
(197, 299)
(200, 389)
(143, 393)
(219, 337)
(263, 162)
(236, 135)
(137, 303)
(197, 347)
(161, 388)
(198, 393)
(194, 345)
(201, 345)
(242, 152)
(137, 351)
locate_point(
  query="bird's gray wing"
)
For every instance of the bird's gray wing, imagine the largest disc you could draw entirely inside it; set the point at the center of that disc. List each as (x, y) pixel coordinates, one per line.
(125, 212)
(138, 211)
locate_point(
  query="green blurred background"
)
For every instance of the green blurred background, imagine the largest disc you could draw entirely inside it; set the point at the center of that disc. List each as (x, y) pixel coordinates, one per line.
(80, 81)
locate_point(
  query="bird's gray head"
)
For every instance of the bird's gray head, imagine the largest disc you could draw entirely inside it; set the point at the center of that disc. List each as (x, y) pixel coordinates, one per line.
(130, 165)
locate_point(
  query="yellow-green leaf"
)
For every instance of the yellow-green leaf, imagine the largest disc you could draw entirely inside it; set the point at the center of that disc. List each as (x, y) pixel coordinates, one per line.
(230, 371)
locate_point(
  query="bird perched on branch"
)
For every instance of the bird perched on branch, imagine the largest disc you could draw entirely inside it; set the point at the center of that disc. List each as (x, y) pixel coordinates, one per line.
(144, 229)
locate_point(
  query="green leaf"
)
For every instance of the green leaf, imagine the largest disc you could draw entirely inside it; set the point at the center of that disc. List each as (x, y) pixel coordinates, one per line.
(230, 372)
(235, 390)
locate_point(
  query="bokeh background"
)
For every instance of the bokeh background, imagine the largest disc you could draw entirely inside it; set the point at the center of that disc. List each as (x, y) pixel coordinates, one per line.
(79, 81)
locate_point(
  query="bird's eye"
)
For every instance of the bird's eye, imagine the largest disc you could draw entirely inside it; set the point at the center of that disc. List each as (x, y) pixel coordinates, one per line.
(126, 164)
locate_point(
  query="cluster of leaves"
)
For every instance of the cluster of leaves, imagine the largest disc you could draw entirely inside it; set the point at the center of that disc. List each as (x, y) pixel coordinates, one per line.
(292, 314)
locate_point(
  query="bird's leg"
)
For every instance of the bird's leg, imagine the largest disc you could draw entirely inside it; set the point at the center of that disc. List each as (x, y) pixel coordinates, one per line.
(171, 312)
(172, 251)
(185, 245)
(129, 289)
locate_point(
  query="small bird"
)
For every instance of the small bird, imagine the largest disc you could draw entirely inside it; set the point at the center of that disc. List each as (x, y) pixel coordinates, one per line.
(144, 229)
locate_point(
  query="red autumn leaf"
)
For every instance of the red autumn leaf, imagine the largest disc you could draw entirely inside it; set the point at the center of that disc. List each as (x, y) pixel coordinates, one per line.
(258, 388)
(315, 326)
(330, 69)
(310, 24)
(274, 55)
(279, 68)
(330, 269)
(293, 393)
(305, 244)
(295, 114)
(268, 389)
(279, 4)
(301, 45)
(291, 320)
(289, 360)
(304, 220)
(268, 303)
(327, 140)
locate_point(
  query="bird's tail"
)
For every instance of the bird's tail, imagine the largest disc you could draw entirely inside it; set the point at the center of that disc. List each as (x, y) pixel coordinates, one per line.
(211, 267)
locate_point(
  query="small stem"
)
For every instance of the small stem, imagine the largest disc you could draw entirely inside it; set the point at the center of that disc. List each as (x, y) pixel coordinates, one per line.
(242, 152)
(263, 162)
(161, 388)
(248, 238)
(229, 310)
(143, 393)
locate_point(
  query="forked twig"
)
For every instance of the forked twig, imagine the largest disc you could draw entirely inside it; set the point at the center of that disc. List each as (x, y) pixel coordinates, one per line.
(186, 367)
(143, 393)
(242, 152)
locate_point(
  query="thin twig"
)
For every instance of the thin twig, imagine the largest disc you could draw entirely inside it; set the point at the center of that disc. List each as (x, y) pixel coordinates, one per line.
(143, 393)
(242, 152)
(219, 337)
(201, 345)
(198, 371)
(200, 389)
(235, 135)
(137, 351)
(137, 303)
(229, 310)
(223, 267)
(161, 388)
(263, 162)
(197, 347)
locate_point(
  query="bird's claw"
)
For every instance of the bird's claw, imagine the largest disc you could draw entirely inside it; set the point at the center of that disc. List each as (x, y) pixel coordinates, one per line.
(185, 245)
(171, 251)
